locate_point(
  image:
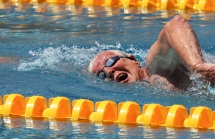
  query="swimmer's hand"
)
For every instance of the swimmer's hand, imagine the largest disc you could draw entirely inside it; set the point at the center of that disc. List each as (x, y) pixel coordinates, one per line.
(206, 70)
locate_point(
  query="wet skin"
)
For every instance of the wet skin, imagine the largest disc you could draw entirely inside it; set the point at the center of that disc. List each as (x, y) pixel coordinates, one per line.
(172, 58)
(124, 70)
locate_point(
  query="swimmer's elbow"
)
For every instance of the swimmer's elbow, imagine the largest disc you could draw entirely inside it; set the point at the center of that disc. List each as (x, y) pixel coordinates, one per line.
(177, 22)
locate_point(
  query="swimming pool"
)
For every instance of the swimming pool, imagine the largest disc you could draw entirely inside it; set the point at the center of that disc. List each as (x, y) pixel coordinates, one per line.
(53, 45)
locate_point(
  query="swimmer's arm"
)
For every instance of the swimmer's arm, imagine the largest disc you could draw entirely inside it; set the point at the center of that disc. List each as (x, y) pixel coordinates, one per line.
(161, 57)
(179, 36)
(183, 40)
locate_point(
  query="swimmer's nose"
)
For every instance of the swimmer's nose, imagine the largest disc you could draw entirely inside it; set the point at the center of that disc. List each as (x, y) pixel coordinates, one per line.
(109, 73)
(108, 70)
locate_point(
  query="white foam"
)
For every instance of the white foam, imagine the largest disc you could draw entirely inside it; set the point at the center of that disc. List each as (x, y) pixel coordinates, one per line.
(73, 57)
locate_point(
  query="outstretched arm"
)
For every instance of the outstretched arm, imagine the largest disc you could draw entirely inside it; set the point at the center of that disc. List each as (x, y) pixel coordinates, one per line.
(177, 41)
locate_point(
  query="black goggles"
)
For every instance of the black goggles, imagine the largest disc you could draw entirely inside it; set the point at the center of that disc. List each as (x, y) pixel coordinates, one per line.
(109, 63)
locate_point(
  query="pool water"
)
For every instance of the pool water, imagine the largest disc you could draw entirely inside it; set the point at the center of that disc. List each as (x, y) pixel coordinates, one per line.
(53, 45)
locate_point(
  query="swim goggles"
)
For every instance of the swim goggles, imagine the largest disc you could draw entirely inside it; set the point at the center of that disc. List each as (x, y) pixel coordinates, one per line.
(109, 63)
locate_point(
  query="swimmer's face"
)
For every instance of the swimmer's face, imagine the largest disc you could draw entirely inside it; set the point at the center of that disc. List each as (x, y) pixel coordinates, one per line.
(119, 69)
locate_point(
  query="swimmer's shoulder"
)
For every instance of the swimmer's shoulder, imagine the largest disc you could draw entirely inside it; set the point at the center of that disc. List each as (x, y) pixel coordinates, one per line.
(161, 82)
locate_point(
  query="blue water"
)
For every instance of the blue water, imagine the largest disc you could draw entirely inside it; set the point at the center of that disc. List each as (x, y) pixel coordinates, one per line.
(53, 45)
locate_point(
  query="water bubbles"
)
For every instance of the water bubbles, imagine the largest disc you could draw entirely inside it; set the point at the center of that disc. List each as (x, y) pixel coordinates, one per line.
(63, 57)
(211, 89)
(118, 45)
(97, 43)
(209, 58)
(107, 47)
(138, 53)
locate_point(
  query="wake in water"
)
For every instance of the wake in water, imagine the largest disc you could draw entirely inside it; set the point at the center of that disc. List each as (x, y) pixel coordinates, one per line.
(76, 59)
(64, 58)
(198, 84)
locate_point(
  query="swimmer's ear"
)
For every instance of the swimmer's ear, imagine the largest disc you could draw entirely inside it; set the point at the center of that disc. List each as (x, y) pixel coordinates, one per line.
(132, 57)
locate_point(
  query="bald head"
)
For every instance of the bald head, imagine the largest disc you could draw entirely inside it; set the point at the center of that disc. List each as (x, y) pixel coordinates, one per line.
(118, 66)
(102, 56)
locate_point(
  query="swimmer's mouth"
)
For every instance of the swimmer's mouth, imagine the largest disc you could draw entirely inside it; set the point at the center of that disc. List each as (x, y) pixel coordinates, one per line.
(122, 77)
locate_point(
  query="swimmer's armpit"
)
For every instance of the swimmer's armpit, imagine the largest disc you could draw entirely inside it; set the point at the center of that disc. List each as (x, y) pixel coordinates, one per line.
(8, 60)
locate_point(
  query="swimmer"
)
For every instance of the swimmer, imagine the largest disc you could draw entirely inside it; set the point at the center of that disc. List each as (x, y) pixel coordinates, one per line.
(171, 60)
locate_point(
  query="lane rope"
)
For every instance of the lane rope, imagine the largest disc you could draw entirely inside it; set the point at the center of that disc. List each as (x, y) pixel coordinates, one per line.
(107, 111)
(197, 5)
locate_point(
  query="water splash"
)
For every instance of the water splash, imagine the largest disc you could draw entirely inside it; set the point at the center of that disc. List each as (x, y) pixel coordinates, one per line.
(209, 58)
(77, 58)
(65, 58)
(56, 58)
(199, 85)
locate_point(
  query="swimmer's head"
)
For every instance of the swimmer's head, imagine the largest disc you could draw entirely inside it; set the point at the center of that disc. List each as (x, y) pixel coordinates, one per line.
(116, 65)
